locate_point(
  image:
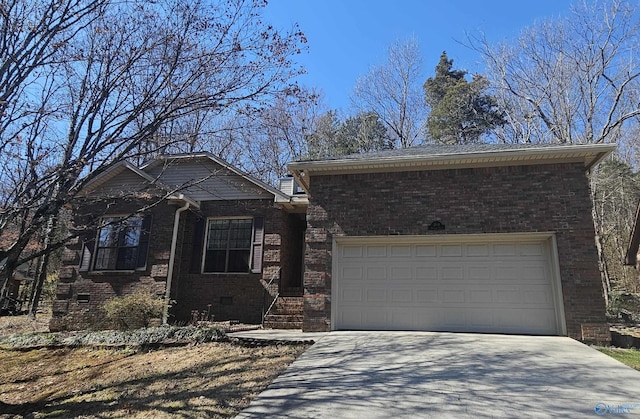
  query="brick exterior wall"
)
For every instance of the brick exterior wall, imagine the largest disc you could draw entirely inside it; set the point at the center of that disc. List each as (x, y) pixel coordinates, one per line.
(234, 296)
(217, 296)
(71, 312)
(510, 199)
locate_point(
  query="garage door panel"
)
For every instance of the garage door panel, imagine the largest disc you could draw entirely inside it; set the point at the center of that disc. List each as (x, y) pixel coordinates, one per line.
(401, 319)
(400, 251)
(537, 295)
(427, 295)
(376, 273)
(479, 273)
(351, 252)
(482, 296)
(452, 273)
(504, 249)
(506, 296)
(477, 250)
(400, 273)
(481, 319)
(351, 295)
(401, 296)
(484, 286)
(451, 250)
(531, 249)
(376, 295)
(423, 251)
(453, 319)
(350, 273)
(426, 273)
(376, 251)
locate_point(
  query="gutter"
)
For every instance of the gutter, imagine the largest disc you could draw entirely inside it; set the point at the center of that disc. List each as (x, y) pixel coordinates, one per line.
(591, 154)
(172, 257)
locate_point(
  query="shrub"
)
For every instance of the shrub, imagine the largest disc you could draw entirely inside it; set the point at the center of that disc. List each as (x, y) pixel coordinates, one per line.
(132, 311)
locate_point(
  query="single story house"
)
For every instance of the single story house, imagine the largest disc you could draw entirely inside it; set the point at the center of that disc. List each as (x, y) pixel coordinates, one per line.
(212, 241)
(492, 238)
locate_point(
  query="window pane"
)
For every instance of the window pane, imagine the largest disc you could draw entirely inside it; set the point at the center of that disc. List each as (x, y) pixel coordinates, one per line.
(240, 234)
(106, 258)
(131, 231)
(108, 236)
(228, 247)
(218, 234)
(238, 261)
(215, 261)
(127, 258)
(118, 244)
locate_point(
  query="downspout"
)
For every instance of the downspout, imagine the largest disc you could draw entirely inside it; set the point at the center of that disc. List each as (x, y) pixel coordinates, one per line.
(172, 258)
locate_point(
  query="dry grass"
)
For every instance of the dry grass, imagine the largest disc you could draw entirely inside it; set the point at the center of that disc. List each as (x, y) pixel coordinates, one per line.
(22, 324)
(211, 380)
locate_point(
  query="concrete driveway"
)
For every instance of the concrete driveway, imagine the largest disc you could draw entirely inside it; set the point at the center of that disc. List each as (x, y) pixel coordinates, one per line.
(456, 375)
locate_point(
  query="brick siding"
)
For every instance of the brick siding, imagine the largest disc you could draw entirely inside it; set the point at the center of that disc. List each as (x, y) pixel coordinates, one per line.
(510, 199)
(218, 296)
(236, 296)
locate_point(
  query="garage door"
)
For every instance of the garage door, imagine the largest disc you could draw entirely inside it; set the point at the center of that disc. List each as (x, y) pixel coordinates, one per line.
(492, 286)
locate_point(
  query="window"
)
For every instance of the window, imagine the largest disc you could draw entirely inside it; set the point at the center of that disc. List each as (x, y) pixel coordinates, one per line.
(228, 245)
(122, 243)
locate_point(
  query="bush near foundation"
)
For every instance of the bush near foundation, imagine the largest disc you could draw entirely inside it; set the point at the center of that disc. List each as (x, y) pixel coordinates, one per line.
(133, 311)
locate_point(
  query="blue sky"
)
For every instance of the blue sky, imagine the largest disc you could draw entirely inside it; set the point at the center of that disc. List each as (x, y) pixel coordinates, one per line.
(346, 37)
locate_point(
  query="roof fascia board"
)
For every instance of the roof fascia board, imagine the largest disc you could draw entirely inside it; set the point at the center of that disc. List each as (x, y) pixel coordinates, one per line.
(589, 154)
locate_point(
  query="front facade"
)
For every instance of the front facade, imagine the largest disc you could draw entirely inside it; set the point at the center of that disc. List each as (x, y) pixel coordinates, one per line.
(190, 230)
(495, 239)
(479, 238)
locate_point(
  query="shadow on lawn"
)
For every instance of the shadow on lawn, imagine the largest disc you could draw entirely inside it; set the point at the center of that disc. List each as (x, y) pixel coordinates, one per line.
(216, 383)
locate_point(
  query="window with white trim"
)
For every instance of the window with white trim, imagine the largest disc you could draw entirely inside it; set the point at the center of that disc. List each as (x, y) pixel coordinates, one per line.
(228, 245)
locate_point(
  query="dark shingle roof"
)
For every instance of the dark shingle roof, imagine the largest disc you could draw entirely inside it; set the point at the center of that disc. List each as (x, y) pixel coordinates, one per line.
(436, 149)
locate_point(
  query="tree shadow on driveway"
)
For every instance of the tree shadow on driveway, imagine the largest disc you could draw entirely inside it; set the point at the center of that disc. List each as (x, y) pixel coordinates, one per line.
(423, 374)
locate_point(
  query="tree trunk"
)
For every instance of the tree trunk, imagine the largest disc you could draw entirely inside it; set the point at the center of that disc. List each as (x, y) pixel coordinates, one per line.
(36, 275)
(42, 276)
(602, 261)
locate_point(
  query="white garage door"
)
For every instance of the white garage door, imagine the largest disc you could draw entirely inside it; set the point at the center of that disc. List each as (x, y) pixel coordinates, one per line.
(493, 286)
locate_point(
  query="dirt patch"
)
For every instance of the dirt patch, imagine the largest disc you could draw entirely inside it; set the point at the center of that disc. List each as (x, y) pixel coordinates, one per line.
(211, 380)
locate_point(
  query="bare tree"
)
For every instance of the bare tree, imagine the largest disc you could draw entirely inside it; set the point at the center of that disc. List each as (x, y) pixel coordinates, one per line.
(570, 80)
(109, 81)
(278, 135)
(576, 80)
(393, 92)
(616, 191)
(30, 34)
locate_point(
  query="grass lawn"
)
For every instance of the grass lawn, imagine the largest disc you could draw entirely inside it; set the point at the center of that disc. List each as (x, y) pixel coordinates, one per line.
(208, 380)
(630, 357)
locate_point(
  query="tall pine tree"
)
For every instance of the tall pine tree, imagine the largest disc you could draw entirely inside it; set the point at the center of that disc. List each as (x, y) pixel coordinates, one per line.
(461, 111)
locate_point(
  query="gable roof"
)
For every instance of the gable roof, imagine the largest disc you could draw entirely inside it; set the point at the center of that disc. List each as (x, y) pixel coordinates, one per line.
(116, 170)
(438, 156)
(124, 167)
(163, 159)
